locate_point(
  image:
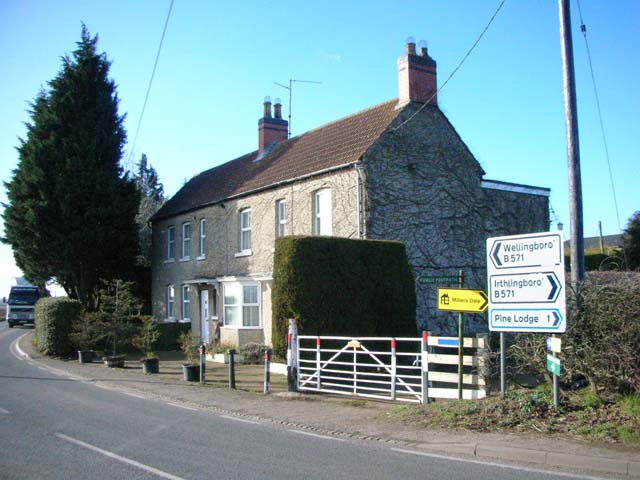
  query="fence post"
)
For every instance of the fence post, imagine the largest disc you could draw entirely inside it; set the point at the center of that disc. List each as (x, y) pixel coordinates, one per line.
(393, 369)
(425, 368)
(484, 368)
(318, 359)
(267, 370)
(203, 350)
(292, 357)
(232, 369)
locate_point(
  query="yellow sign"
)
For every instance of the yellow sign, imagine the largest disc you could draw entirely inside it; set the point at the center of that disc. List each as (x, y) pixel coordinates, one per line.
(353, 344)
(462, 300)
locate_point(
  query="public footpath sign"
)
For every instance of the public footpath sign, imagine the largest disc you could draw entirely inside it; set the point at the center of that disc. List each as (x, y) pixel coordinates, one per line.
(525, 275)
(553, 365)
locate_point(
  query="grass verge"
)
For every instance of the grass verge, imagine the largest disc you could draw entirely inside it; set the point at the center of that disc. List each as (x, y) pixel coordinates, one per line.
(581, 415)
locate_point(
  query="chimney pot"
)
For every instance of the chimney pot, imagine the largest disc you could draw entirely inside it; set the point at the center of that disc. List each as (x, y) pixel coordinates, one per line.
(422, 46)
(267, 107)
(411, 46)
(277, 109)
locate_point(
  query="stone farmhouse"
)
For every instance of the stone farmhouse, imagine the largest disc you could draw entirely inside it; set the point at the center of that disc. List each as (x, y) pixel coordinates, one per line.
(395, 171)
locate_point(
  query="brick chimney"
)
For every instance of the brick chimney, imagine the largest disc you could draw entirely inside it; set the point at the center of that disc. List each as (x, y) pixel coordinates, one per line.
(416, 76)
(271, 129)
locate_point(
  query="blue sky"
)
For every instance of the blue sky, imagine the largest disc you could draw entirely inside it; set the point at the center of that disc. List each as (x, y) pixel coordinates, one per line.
(220, 59)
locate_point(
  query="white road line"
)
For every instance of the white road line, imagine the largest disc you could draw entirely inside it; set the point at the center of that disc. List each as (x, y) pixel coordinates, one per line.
(128, 461)
(500, 465)
(6, 412)
(326, 437)
(134, 395)
(182, 406)
(239, 419)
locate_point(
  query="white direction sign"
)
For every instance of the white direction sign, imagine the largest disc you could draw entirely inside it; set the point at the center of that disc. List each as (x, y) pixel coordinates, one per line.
(525, 276)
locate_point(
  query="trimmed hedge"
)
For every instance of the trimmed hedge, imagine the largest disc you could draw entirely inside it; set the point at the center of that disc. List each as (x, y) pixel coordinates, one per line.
(169, 334)
(338, 286)
(53, 320)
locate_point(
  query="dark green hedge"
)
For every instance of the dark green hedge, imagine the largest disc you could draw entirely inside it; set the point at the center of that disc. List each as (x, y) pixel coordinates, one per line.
(169, 333)
(338, 286)
(53, 319)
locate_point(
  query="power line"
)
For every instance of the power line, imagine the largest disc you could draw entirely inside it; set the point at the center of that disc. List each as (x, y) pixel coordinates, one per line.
(153, 72)
(583, 29)
(457, 67)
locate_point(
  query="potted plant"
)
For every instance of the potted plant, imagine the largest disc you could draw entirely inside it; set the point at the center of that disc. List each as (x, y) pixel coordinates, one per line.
(85, 334)
(189, 346)
(118, 307)
(147, 336)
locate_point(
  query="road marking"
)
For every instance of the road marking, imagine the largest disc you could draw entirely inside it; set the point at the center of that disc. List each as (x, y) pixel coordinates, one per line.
(182, 406)
(6, 412)
(326, 437)
(494, 464)
(135, 395)
(239, 419)
(17, 346)
(128, 461)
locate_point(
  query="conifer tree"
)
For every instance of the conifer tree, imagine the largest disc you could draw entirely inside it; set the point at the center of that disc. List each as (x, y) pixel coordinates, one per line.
(151, 193)
(71, 208)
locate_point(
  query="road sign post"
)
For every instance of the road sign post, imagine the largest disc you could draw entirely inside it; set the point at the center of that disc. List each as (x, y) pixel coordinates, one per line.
(461, 300)
(525, 275)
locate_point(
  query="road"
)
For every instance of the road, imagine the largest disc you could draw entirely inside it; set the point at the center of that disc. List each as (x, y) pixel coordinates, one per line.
(60, 428)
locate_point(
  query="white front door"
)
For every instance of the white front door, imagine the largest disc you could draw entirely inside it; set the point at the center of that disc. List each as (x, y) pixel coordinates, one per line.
(204, 315)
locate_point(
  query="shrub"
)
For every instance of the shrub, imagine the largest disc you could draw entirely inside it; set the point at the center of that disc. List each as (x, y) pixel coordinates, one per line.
(190, 347)
(601, 342)
(53, 320)
(252, 352)
(86, 332)
(340, 286)
(147, 337)
(119, 313)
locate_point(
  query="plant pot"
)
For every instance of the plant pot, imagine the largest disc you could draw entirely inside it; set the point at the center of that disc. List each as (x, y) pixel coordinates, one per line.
(223, 358)
(191, 373)
(85, 356)
(150, 365)
(114, 361)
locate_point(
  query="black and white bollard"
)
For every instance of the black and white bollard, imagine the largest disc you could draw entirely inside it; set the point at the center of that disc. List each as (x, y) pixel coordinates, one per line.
(232, 369)
(203, 352)
(267, 370)
(292, 360)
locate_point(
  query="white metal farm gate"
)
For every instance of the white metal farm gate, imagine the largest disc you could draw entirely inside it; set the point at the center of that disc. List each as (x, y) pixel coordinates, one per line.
(383, 367)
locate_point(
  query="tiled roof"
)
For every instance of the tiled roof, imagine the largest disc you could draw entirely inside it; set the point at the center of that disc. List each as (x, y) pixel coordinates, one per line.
(334, 144)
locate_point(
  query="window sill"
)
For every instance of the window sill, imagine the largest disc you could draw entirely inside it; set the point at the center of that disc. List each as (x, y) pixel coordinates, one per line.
(234, 327)
(244, 253)
(201, 257)
(185, 320)
(184, 259)
(170, 260)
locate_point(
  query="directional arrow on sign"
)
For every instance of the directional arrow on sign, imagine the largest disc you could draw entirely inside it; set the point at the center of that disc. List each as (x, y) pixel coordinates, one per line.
(495, 255)
(535, 287)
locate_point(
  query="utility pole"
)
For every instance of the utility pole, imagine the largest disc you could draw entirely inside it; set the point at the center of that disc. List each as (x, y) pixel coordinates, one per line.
(573, 149)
